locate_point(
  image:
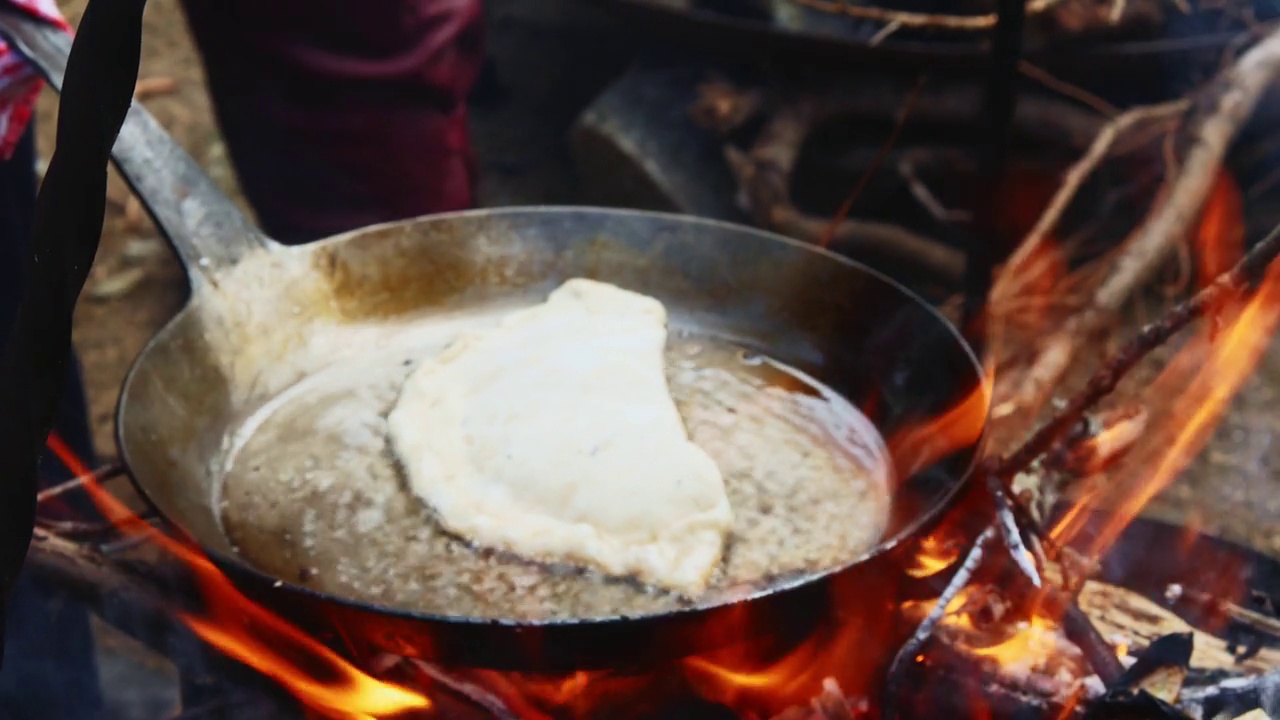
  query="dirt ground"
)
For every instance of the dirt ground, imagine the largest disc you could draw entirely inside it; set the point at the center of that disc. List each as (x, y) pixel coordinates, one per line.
(136, 286)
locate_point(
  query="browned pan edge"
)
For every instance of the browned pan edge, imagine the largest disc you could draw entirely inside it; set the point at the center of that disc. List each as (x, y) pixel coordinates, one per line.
(574, 642)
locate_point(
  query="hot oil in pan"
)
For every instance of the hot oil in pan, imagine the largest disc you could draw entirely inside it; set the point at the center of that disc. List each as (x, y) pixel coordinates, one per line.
(314, 494)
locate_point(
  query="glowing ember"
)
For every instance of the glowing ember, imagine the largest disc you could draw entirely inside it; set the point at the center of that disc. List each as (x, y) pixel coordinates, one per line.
(237, 626)
(938, 552)
(1034, 643)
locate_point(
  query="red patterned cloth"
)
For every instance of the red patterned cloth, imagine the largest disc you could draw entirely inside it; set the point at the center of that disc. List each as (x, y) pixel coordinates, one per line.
(20, 84)
(340, 114)
(336, 115)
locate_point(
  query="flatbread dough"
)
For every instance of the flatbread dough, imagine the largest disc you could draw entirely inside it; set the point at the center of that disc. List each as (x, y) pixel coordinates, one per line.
(554, 436)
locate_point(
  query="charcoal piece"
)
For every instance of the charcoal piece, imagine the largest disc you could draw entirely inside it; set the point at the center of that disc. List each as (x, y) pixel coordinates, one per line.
(98, 89)
(1161, 668)
(1244, 641)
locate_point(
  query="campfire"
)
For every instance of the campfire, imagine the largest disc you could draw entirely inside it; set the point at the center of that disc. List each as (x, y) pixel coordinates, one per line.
(994, 636)
(1043, 591)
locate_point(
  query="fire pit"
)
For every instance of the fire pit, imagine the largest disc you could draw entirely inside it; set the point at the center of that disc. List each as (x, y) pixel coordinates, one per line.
(979, 662)
(1025, 600)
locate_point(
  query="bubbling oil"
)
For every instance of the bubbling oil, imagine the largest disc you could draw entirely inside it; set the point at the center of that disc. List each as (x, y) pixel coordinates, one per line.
(806, 474)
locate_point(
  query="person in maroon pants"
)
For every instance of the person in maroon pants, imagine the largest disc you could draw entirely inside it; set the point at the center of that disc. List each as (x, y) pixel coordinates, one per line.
(340, 114)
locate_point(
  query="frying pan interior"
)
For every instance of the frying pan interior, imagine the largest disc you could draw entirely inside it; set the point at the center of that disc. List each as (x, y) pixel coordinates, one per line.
(281, 315)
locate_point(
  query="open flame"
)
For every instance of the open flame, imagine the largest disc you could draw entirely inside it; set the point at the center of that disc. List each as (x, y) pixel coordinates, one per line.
(1186, 400)
(938, 551)
(243, 630)
(1217, 367)
(1193, 391)
(736, 677)
(1036, 640)
(839, 653)
(1219, 240)
(580, 695)
(920, 445)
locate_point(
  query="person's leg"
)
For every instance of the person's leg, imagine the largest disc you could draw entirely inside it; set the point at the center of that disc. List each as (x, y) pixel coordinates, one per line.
(339, 115)
(49, 670)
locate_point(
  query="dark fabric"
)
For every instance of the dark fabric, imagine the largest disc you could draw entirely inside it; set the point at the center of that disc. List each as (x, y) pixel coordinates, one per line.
(338, 114)
(17, 202)
(49, 669)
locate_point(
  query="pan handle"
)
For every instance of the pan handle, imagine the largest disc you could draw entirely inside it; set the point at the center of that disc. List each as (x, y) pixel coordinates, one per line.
(206, 230)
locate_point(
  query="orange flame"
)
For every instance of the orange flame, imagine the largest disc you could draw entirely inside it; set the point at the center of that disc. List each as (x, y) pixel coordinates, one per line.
(1189, 397)
(1218, 365)
(791, 681)
(1219, 240)
(1031, 645)
(920, 445)
(577, 696)
(1231, 360)
(848, 649)
(243, 630)
(1200, 381)
(938, 551)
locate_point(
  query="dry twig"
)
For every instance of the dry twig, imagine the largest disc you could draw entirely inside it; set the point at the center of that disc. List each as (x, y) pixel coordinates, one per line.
(908, 652)
(930, 202)
(900, 122)
(1011, 529)
(473, 692)
(765, 173)
(1259, 622)
(1118, 431)
(1149, 338)
(1232, 97)
(1016, 275)
(97, 476)
(1062, 87)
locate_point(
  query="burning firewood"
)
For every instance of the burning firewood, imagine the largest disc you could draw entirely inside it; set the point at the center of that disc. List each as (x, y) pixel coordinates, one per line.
(1001, 471)
(1221, 109)
(1016, 670)
(1020, 270)
(1135, 621)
